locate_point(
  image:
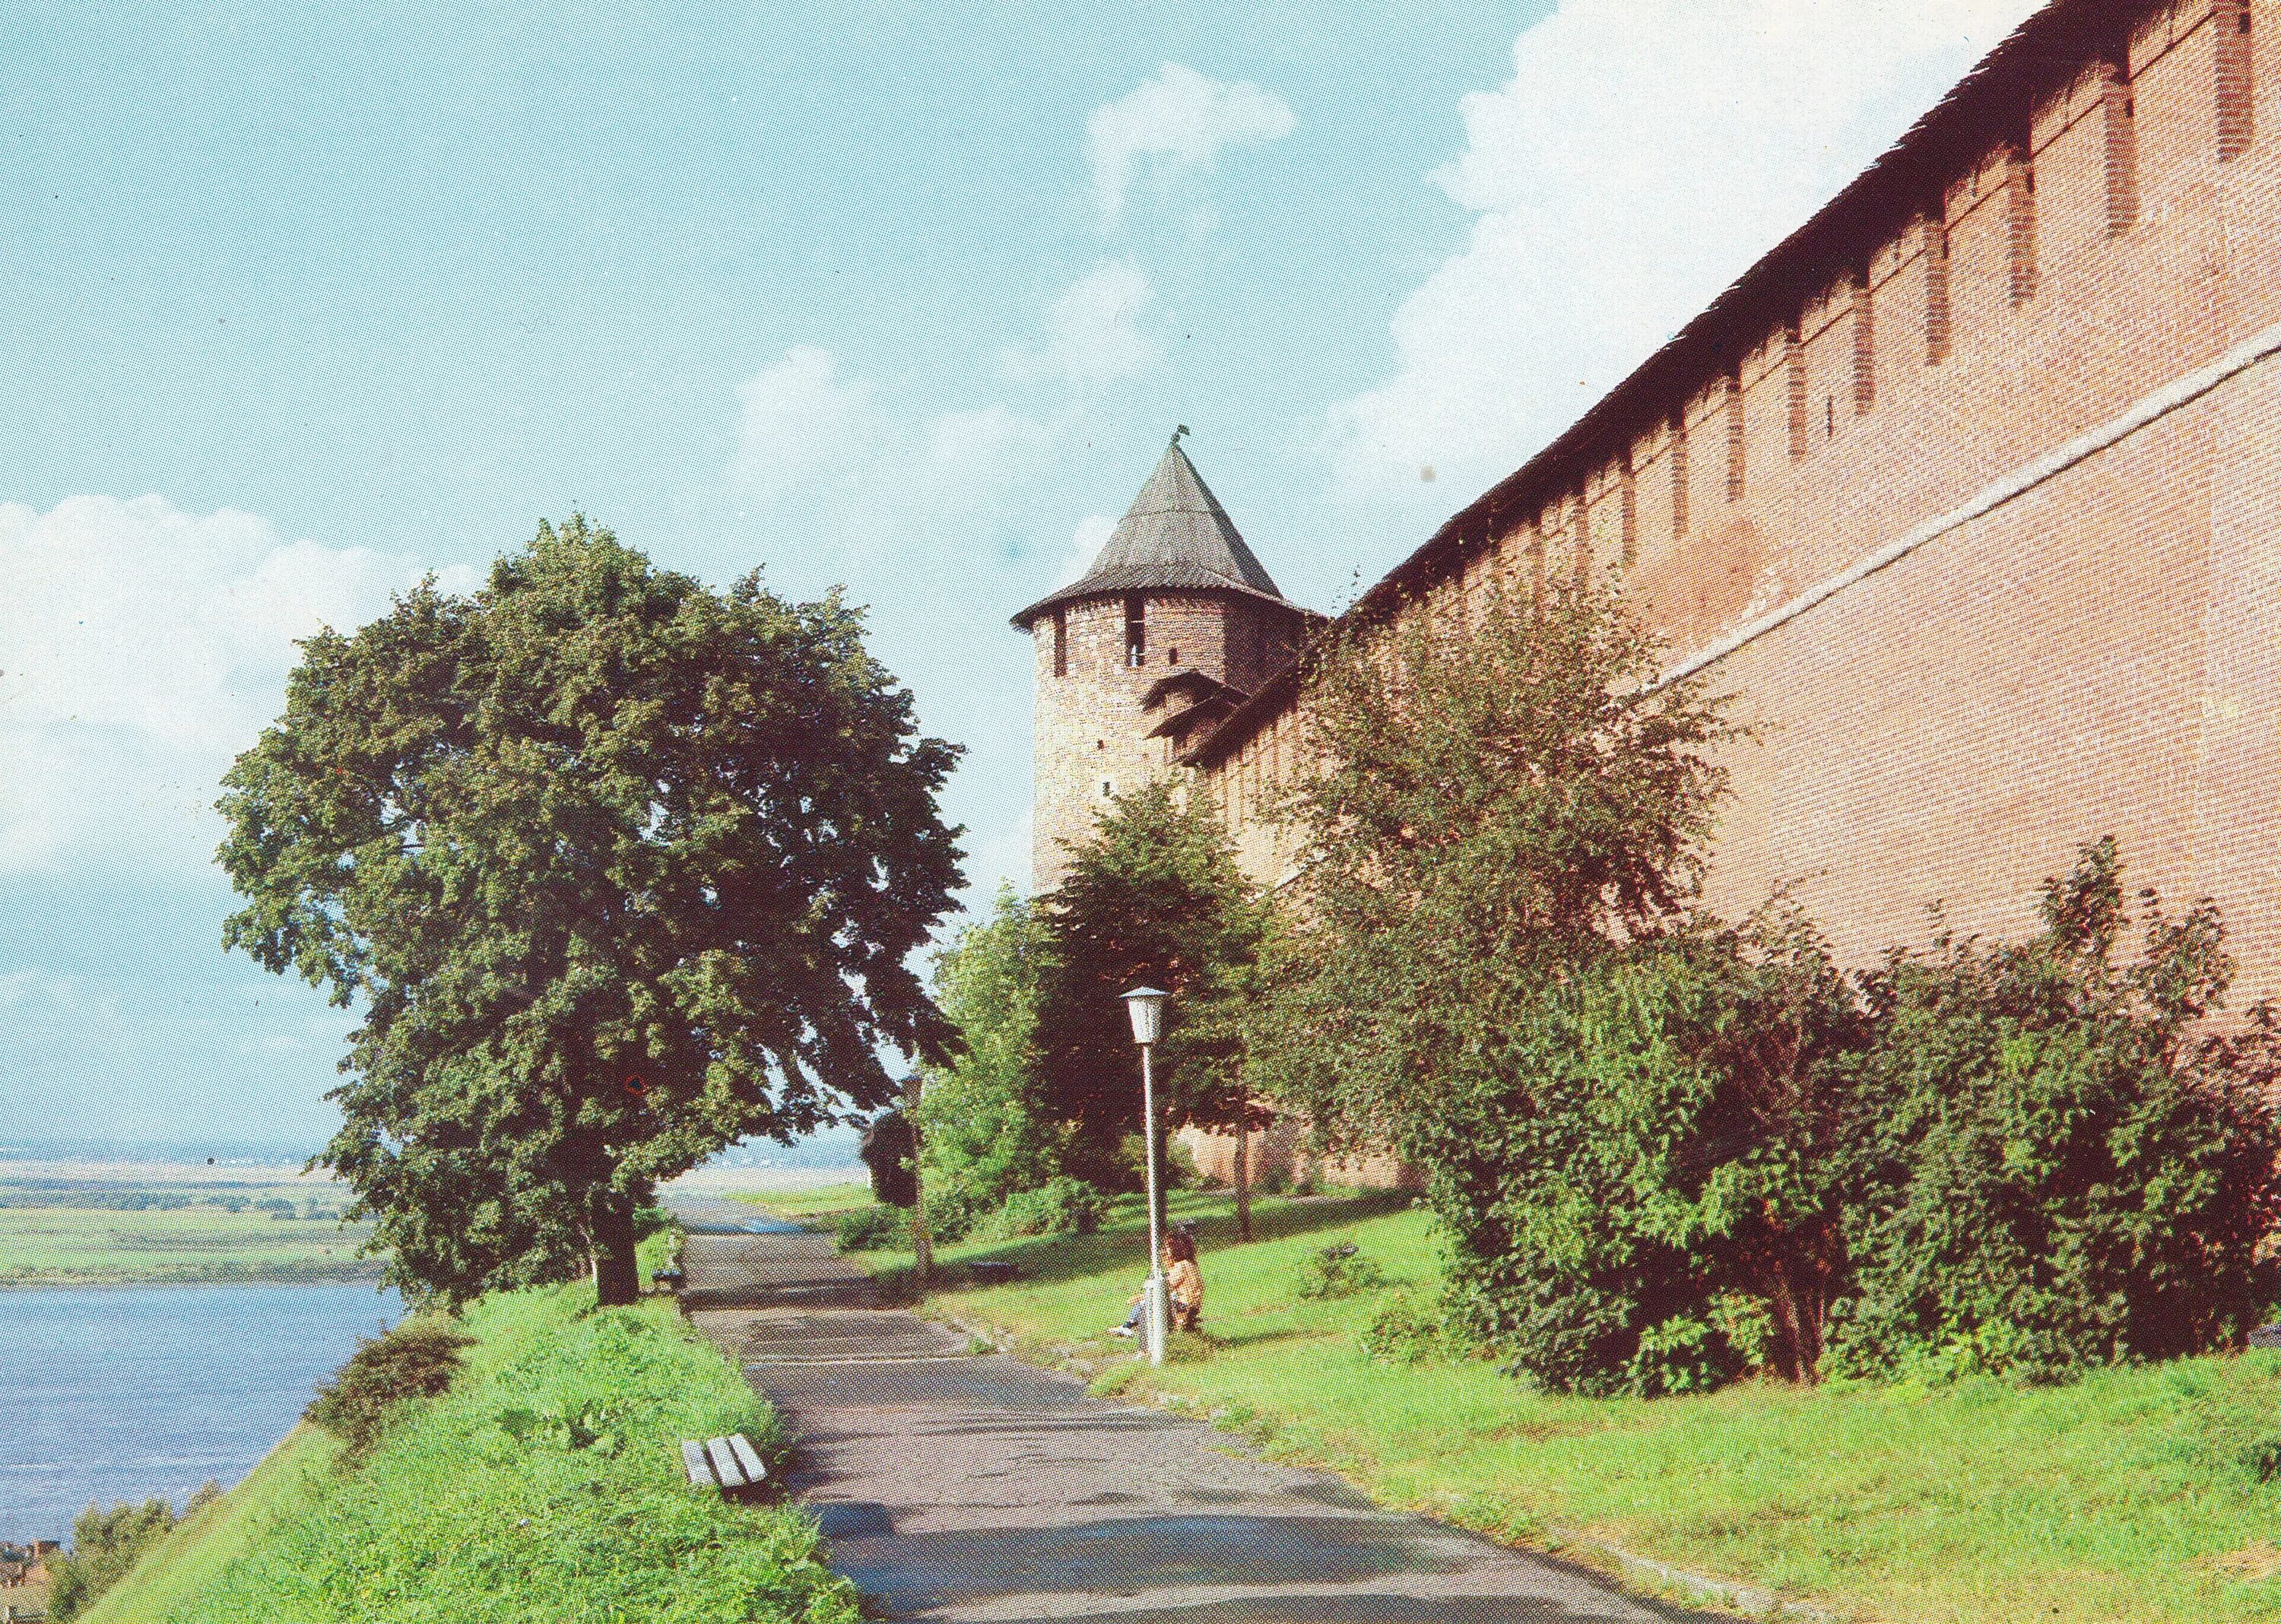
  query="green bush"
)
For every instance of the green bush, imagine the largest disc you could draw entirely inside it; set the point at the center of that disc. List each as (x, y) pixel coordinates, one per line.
(416, 1360)
(104, 1544)
(1338, 1270)
(874, 1228)
(1062, 1206)
(1662, 1136)
(1714, 1151)
(1405, 1331)
(2062, 1165)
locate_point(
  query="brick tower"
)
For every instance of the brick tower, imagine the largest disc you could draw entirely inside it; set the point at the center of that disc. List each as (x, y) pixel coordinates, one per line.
(1172, 628)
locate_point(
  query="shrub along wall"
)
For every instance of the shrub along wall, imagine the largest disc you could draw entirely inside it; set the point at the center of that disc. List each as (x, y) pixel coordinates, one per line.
(1717, 1151)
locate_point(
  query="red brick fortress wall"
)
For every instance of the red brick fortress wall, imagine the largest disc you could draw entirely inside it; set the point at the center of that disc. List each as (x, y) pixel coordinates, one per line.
(1980, 516)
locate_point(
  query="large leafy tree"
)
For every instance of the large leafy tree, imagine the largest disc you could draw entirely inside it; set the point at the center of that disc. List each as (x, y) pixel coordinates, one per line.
(618, 870)
(1153, 897)
(1489, 808)
(1496, 814)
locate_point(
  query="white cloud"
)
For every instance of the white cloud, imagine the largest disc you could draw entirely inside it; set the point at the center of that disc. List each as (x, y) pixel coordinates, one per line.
(42, 993)
(1641, 158)
(1176, 124)
(140, 648)
(1093, 534)
(973, 457)
(799, 422)
(1092, 332)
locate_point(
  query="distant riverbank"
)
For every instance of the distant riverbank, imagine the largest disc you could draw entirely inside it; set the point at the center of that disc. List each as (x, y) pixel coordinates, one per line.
(73, 1224)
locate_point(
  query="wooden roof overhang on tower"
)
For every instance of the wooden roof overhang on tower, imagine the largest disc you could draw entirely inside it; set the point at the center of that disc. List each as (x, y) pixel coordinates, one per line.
(1208, 702)
(1993, 102)
(1176, 537)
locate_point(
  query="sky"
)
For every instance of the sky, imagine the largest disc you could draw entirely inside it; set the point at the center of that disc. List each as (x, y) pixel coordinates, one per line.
(300, 304)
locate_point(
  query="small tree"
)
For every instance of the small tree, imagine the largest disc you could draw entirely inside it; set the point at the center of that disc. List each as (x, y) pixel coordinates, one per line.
(1154, 897)
(1491, 808)
(983, 1135)
(618, 871)
(105, 1548)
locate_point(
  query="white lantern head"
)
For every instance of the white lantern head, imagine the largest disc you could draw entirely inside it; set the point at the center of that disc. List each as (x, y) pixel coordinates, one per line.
(1146, 1006)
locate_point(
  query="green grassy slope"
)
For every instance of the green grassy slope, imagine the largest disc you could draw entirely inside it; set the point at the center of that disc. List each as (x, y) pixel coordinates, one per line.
(187, 1562)
(546, 1484)
(2139, 1494)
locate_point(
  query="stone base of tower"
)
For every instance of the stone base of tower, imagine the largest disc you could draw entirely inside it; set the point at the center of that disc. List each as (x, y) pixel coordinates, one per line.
(1280, 1156)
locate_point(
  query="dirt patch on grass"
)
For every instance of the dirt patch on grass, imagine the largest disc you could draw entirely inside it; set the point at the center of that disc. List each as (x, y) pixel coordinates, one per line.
(2258, 1559)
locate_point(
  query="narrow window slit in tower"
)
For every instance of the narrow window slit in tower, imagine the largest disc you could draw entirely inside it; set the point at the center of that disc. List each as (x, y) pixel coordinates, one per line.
(1136, 630)
(1061, 642)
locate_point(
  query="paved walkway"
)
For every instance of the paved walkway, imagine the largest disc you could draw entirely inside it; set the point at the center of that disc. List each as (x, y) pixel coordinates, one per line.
(953, 1485)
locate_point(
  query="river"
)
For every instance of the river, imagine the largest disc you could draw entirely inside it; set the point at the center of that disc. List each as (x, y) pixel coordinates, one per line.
(121, 1393)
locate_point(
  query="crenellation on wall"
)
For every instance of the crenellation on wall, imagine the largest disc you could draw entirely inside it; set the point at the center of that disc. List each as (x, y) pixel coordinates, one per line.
(2095, 653)
(2076, 172)
(2173, 76)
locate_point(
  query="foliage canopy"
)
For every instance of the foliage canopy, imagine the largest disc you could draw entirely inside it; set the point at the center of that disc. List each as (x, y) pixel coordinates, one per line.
(617, 869)
(983, 1136)
(1154, 898)
(1492, 807)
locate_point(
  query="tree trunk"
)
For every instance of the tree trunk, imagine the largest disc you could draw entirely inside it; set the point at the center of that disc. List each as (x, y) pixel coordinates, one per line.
(610, 1249)
(921, 1243)
(1242, 1181)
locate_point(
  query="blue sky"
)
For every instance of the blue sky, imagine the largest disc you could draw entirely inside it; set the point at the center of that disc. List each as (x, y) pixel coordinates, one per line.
(298, 303)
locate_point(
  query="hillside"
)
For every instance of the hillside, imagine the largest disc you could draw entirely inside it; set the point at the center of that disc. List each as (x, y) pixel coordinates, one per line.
(546, 1484)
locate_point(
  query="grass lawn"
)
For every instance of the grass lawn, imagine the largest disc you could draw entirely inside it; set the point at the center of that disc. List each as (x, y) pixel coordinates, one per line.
(2135, 1495)
(83, 1231)
(181, 1565)
(546, 1484)
(821, 1204)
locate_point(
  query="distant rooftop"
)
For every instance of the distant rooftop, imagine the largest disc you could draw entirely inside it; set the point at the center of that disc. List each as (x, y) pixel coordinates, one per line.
(1177, 537)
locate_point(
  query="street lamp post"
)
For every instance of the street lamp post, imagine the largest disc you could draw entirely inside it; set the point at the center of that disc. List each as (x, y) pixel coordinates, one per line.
(1146, 1005)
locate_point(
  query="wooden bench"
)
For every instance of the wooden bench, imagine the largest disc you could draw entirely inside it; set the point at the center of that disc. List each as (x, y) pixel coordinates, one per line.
(730, 1465)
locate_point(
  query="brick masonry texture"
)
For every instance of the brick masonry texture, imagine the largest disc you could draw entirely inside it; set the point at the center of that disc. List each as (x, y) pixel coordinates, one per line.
(2095, 655)
(1092, 719)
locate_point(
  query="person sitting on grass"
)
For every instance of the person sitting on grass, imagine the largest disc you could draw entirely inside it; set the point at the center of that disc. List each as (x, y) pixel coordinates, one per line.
(1184, 1284)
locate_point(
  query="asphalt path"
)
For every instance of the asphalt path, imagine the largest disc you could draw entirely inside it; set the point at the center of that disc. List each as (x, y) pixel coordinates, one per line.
(953, 1484)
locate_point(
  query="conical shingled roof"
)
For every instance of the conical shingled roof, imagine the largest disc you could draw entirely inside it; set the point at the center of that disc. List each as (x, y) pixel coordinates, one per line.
(1175, 537)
